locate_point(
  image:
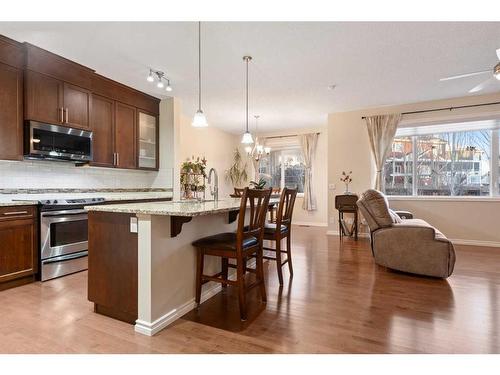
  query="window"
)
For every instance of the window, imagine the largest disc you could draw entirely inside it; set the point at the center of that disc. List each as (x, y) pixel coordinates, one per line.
(444, 160)
(284, 168)
(399, 167)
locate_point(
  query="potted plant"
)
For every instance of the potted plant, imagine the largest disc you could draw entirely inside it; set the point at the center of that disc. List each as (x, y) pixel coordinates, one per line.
(258, 185)
(193, 174)
(237, 174)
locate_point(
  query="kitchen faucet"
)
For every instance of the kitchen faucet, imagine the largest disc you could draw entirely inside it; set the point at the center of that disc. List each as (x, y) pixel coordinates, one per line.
(215, 192)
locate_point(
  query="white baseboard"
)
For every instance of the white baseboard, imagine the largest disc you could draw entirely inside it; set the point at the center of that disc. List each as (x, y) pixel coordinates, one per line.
(336, 233)
(151, 329)
(310, 224)
(455, 241)
(458, 241)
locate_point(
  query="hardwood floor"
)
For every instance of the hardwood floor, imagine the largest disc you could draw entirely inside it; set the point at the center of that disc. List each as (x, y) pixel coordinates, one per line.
(337, 302)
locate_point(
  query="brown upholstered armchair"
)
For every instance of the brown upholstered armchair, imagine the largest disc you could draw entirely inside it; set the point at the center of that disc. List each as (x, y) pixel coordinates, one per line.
(410, 245)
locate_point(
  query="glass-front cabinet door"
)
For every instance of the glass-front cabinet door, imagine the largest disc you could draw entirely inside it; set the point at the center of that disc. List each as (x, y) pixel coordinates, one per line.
(148, 141)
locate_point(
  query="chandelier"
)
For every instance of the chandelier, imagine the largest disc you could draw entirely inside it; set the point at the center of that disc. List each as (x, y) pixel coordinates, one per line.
(258, 151)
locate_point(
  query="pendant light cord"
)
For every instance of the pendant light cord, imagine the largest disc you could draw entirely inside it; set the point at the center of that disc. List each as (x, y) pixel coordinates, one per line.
(247, 95)
(199, 65)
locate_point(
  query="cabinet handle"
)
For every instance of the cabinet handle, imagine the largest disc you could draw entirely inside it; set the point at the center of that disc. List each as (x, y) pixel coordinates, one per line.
(117, 158)
(114, 158)
(15, 213)
(67, 115)
(62, 115)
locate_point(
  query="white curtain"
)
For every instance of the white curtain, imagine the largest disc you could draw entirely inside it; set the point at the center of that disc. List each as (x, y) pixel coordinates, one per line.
(381, 131)
(308, 143)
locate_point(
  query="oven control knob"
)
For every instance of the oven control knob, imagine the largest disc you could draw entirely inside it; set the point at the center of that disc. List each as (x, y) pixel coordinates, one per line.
(55, 201)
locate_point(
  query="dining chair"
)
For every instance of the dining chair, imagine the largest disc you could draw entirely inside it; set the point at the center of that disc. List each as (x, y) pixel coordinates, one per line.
(246, 242)
(272, 208)
(280, 230)
(238, 192)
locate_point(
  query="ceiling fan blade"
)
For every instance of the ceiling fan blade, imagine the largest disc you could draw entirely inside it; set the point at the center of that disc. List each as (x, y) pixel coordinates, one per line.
(481, 86)
(466, 75)
(498, 53)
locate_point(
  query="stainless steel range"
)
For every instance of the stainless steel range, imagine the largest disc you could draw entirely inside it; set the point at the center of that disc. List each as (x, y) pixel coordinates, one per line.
(64, 236)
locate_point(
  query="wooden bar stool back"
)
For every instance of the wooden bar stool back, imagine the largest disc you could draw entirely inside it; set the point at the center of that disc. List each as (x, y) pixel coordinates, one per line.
(246, 242)
(280, 230)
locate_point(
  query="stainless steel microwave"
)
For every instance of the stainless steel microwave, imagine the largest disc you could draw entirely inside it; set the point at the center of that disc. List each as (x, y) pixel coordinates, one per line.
(53, 142)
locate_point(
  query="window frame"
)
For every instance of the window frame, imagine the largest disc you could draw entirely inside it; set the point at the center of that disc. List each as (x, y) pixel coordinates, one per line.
(494, 182)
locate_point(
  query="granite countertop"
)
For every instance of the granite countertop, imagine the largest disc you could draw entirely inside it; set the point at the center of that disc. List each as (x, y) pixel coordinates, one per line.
(32, 199)
(175, 208)
(7, 202)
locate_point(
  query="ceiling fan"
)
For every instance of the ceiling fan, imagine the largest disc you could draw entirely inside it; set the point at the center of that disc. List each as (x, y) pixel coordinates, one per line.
(482, 85)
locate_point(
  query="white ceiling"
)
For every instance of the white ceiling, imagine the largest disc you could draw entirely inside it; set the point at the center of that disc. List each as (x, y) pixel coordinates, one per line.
(372, 64)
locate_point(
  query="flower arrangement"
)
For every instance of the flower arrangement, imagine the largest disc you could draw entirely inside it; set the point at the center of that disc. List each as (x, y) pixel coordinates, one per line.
(193, 174)
(346, 179)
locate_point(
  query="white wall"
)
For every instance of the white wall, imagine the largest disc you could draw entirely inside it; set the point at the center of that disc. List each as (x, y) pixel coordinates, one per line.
(49, 174)
(348, 149)
(320, 178)
(215, 145)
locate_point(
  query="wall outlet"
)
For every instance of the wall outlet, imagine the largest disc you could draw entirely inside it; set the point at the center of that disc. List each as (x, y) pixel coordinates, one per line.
(331, 186)
(133, 225)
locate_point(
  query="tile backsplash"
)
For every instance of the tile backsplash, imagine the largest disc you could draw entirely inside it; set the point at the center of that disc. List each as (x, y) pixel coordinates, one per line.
(48, 174)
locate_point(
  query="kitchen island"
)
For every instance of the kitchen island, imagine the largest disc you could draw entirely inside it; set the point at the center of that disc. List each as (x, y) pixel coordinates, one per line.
(142, 266)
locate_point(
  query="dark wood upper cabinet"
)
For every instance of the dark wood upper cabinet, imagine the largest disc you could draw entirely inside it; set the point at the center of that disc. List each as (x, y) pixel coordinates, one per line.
(11, 112)
(49, 88)
(52, 65)
(77, 106)
(147, 140)
(44, 99)
(125, 136)
(102, 126)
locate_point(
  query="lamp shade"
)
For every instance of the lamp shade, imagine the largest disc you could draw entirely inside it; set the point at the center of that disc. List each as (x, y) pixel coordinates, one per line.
(247, 138)
(199, 120)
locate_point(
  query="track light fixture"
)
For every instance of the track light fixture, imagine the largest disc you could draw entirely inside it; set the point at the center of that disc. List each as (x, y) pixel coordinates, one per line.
(160, 77)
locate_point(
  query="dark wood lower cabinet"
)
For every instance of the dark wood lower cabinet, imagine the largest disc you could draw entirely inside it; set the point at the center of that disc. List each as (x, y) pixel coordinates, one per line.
(18, 245)
(113, 247)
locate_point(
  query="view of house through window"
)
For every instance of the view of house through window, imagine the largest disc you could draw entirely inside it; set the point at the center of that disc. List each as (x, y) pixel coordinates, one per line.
(284, 168)
(446, 161)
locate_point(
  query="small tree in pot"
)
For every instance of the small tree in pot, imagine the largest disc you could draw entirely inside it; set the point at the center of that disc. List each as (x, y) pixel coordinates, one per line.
(237, 174)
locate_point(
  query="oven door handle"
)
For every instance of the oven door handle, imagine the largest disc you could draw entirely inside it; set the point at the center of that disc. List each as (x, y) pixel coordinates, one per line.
(64, 258)
(63, 213)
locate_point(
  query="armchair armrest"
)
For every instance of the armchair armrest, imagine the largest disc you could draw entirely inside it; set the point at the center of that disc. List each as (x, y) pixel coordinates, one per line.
(414, 246)
(404, 214)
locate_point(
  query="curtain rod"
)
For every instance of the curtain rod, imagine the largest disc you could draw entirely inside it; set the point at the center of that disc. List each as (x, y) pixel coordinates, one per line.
(287, 136)
(446, 108)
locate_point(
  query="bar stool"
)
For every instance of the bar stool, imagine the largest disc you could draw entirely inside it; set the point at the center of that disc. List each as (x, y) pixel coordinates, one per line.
(246, 242)
(280, 230)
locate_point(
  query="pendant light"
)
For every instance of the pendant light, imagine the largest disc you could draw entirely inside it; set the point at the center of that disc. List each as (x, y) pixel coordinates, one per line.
(199, 119)
(247, 137)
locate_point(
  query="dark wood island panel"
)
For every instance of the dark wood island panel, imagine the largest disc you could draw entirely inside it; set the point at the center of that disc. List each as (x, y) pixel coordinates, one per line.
(112, 273)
